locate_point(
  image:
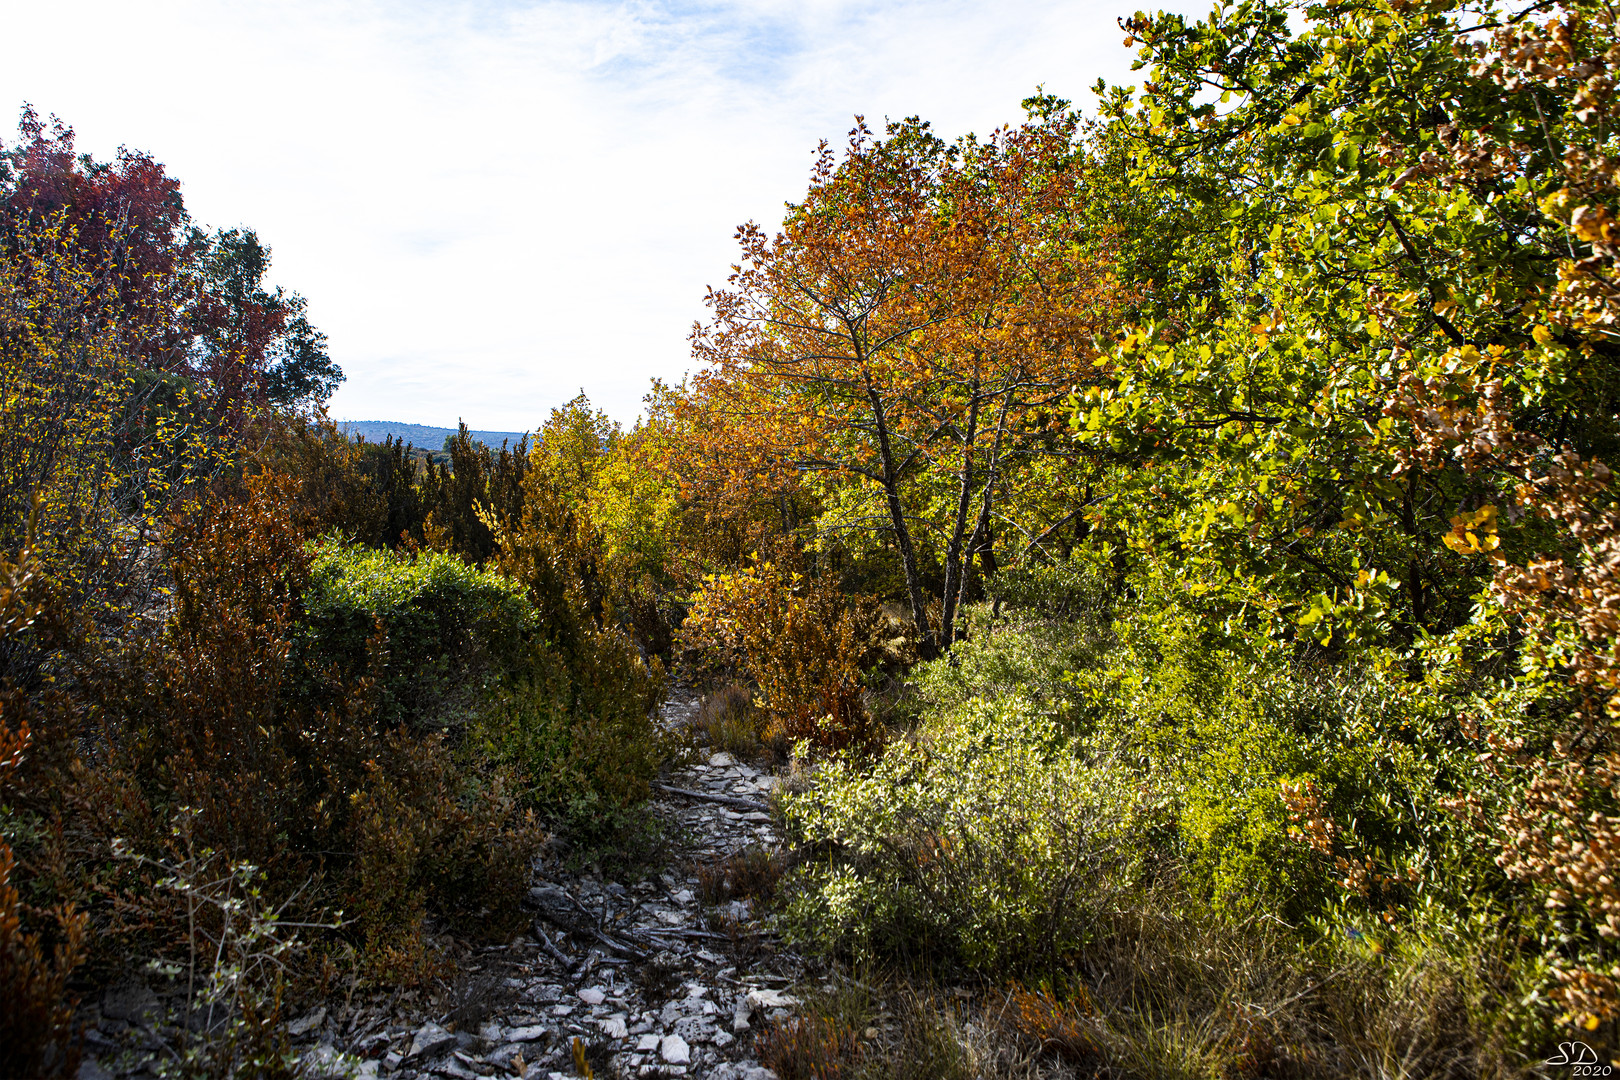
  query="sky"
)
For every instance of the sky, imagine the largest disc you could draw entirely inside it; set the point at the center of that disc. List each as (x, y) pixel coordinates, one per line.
(491, 206)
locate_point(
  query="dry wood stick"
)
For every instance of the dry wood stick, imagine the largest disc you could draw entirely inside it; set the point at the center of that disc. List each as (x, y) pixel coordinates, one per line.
(723, 800)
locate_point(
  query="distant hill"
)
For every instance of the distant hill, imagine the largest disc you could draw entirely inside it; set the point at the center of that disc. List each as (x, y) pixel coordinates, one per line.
(422, 436)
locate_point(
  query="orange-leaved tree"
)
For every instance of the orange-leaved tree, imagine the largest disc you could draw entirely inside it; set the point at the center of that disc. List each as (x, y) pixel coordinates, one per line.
(904, 337)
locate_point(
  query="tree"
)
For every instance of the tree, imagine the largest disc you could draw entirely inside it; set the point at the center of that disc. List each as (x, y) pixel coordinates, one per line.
(187, 303)
(236, 315)
(1377, 410)
(909, 336)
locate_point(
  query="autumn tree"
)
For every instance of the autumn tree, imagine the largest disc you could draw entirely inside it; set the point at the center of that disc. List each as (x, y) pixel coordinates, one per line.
(906, 340)
(190, 304)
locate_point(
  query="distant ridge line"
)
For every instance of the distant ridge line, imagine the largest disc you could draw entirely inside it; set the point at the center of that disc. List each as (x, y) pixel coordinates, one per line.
(422, 436)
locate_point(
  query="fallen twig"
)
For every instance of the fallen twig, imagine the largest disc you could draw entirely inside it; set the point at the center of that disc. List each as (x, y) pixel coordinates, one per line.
(723, 800)
(701, 934)
(551, 950)
(617, 946)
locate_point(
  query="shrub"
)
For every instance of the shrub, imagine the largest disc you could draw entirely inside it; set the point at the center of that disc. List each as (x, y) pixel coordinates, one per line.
(36, 1014)
(1258, 746)
(752, 873)
(988, 844)
(367, 493)
(810, 1048)
(800, 640)
(293, 775)
(580, 719)
(433, 837)
(451, 633)
(36, 1036)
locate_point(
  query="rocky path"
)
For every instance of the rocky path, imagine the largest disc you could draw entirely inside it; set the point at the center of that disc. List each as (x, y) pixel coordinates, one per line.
(671, 976)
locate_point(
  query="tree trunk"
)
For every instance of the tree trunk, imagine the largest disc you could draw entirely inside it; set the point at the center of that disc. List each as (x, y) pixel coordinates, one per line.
(927, 647)
(955, 572)
(981, 526)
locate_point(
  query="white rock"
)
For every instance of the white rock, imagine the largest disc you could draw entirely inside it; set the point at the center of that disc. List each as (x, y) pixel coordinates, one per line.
(430, 1038)
(723, 1039)
(722, 760)
(592, 996)
(771, 999)
(503, 1057)
(527, 1034)
(674, 1051)
(694, 1030)
(647, 1043)
(306, 1023)
(684, 896)
(613, 1027)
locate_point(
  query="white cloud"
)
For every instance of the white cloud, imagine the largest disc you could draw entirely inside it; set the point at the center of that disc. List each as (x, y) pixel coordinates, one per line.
(490, 206)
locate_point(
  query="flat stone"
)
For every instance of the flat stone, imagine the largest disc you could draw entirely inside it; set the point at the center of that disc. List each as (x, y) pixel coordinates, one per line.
(722, 760)
(723, 1039)
(503, 1058)
(613, 1027)
(674, 1050)
(430, 1038)
(694, 1030)
(562, 1010)
(324, 1062)
(454, 1069)
(527, 1033)
(307, 1023)
(647, 1043)
(592, 996)
(771, 999)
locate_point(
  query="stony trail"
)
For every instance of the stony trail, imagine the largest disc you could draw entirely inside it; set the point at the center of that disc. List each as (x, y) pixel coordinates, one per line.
(644, 980)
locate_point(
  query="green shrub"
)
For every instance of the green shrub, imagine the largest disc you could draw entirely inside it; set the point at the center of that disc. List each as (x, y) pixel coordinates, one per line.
(451, 632)
(1023, 654)
(989, 843)
(1312, 787)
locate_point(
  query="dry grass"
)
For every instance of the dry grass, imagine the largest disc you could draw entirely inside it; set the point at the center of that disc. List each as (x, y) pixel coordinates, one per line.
(729, 721)
(750, 874)
(1172, 992)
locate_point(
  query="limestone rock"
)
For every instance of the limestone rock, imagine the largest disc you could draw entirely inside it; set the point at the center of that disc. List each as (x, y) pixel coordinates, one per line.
(674, 1050)
(430, 1039)
(307, 1023)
